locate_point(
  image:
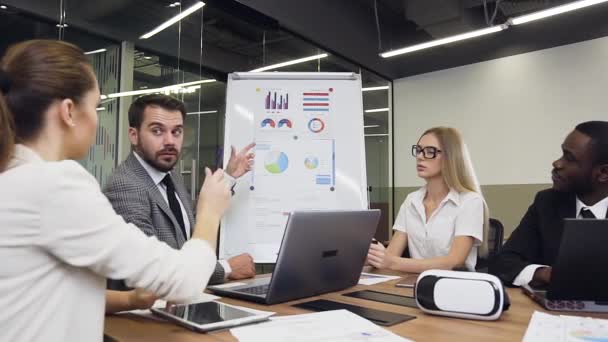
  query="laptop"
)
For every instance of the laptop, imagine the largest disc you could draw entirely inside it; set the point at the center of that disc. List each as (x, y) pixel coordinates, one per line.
(579, 281)
(321, 251)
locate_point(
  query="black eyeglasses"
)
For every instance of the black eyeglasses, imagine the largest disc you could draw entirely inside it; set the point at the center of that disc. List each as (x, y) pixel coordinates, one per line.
(429, 152)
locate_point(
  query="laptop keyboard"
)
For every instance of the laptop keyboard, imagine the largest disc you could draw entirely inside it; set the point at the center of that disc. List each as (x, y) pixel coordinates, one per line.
(255, 290)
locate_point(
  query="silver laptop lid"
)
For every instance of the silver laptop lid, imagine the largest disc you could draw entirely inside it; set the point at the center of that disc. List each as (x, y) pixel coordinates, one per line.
(322, 251)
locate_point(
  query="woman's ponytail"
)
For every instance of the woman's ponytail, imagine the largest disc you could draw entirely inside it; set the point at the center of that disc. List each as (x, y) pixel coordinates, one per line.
(7, 127)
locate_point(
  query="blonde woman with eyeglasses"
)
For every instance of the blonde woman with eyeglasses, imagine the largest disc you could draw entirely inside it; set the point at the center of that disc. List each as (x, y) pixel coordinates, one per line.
(443, 224)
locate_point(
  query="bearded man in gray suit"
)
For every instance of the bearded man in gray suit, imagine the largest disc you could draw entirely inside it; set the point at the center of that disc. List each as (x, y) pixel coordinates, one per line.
(146, 191)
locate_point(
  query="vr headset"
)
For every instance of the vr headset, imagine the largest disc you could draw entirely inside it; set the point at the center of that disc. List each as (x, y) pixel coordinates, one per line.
(469, 295)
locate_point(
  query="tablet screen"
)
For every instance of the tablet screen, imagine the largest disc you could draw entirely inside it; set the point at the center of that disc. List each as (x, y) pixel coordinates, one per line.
(206, 313)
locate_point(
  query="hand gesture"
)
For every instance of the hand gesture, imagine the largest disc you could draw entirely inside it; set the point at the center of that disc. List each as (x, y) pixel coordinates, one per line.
(240, 163)
(214, 196)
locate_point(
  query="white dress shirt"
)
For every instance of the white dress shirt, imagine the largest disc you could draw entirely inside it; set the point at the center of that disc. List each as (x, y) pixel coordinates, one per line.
(458, 214)
(61, 239)
(599, 210)
(157, 177)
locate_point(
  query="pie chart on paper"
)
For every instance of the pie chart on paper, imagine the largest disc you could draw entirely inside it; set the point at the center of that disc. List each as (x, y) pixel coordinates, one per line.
(311, 162)
(276, 162)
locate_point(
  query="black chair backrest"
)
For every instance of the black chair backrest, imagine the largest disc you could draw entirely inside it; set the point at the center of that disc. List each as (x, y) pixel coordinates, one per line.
(495, 237)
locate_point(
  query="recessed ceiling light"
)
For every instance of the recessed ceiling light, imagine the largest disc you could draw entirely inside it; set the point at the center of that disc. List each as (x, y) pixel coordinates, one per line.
(575, 5)
(202, 112)
(147, 57)
(3, 7)
(173, 20)
(377, 110)
(176, 88)
(295, 61)
(95, 51)
(443, 41)
(375, 88)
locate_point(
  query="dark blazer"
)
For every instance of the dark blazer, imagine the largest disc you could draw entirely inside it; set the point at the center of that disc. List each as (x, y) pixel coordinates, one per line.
(537, 238)
(138, 200)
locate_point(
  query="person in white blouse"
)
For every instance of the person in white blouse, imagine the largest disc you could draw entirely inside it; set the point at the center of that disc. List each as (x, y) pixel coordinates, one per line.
(60, 237)
(444, 223)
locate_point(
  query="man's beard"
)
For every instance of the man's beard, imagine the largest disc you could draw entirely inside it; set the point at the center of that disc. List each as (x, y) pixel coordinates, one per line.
(583, 186)
(152, 158)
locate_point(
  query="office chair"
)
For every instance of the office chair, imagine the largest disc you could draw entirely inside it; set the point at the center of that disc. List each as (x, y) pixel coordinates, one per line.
(495, 238)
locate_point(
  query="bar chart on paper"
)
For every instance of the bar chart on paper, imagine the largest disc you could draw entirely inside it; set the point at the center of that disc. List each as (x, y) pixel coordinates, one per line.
(276, 100)
(316, 101)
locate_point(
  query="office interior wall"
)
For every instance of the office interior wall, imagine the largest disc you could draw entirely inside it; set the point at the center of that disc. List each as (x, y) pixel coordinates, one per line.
(126, 84)
(102, 156)
(513, 112)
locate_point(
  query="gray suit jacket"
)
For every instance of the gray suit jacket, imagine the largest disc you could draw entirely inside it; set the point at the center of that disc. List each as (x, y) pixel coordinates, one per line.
(138, 200)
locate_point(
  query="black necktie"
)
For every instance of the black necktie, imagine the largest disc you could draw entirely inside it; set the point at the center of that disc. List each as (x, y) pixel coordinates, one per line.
(174, 204)
(587, 214)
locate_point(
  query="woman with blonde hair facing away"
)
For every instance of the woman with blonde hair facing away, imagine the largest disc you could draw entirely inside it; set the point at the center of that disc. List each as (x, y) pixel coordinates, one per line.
(444, 223)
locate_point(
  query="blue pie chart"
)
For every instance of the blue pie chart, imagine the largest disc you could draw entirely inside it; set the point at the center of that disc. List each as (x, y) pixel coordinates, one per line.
(276, 162)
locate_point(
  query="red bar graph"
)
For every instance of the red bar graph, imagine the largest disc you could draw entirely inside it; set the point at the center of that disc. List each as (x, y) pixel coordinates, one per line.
(276, 101)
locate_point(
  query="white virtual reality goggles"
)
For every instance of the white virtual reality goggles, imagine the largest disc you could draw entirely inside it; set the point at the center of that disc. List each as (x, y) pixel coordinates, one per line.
(461, 294)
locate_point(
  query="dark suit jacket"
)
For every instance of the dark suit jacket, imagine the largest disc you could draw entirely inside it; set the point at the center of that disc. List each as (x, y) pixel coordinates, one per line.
(138, 200)
(537, 238)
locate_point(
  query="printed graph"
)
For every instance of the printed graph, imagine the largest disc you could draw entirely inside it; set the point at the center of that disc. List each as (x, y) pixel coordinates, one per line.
(268, 123)
(276, 101)
(316, 101)
(285, 123)
(276, 162)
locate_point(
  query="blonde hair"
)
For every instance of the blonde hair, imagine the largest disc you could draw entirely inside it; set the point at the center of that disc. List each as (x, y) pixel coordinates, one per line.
(458, 173)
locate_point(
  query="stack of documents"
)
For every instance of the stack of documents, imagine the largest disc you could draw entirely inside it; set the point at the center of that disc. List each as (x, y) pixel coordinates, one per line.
(544, 327)
(335, 326)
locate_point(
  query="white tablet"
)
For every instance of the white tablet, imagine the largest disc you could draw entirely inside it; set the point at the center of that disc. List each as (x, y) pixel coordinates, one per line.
(203, 317)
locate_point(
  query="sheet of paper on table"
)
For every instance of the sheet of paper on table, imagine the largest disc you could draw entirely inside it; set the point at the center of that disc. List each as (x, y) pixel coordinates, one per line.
(373, 279)
(335, 326)
(545, 327)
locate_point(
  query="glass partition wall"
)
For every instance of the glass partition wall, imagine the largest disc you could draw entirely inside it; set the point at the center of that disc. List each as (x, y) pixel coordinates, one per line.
(193, 57)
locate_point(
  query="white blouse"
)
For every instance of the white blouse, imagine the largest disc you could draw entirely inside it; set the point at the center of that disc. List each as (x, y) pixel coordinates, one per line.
(458, 214)
(59, 241)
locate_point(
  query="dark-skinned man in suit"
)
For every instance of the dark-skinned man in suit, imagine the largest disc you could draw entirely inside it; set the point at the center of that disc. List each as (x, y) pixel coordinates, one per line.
(580, 190)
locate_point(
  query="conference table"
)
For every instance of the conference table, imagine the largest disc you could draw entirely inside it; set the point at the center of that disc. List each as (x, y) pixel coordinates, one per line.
(511, 326)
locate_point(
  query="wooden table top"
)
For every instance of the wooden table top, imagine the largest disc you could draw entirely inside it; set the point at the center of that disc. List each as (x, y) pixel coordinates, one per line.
(511, 326)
